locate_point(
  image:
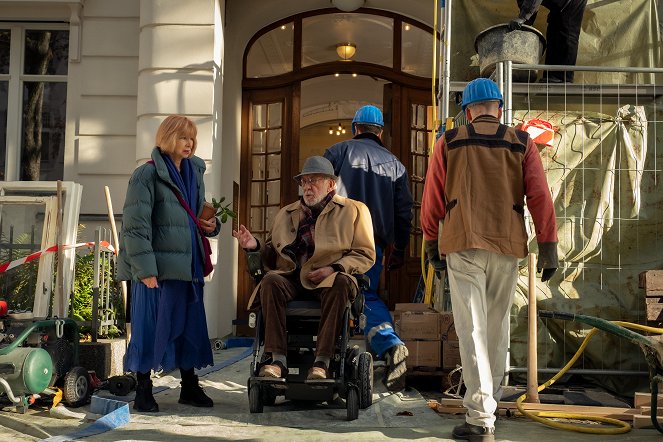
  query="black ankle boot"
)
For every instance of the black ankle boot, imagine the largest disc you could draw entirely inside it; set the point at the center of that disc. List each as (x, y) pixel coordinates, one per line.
(192, 393)
(144, 401)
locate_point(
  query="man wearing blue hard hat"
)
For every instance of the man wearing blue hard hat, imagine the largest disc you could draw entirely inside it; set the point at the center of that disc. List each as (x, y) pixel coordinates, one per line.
(368, 172)
(478, 180)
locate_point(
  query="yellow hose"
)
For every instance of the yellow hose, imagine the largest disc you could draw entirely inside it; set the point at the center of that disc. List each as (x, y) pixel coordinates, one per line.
(540, 416)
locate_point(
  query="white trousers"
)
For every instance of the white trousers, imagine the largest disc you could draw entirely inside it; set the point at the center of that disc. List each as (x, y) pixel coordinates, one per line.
(482, 286)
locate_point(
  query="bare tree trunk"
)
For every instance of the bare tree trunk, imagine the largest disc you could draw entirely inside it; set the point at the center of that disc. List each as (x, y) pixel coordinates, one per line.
(32, 117)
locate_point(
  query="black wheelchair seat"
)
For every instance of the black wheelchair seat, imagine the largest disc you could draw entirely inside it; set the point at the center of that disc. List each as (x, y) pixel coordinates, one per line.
(303, 308)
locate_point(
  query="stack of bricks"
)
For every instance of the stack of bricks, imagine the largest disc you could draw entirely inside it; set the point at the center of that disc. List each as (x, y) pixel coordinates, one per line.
(652, 282)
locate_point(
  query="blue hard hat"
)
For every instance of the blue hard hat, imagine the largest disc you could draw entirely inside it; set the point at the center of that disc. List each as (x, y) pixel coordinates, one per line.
(367, 115)
(481, 89)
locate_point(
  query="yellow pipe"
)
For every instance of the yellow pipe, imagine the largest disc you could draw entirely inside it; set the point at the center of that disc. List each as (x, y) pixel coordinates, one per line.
(428, 279)
(540, 416)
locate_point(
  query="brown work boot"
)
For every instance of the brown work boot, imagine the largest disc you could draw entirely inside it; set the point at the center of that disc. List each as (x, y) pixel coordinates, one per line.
(396, 367)
(274, 370)
(473, 433)
(318, 371)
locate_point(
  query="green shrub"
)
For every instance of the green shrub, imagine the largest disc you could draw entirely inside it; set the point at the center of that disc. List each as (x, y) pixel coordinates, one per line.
(81, 304)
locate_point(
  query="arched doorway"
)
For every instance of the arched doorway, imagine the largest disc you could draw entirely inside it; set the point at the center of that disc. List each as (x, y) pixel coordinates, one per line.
(300, 92)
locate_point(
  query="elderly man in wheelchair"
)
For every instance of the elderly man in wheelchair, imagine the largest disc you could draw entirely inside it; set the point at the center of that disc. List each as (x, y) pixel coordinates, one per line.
(314, 248)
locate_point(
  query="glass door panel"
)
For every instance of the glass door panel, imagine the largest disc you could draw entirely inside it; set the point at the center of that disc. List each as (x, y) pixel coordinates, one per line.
(269, 157)
(421, 136)
(266, 166)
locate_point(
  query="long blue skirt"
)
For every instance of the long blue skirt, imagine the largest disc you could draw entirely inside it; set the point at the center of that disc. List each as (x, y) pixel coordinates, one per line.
(169, 329)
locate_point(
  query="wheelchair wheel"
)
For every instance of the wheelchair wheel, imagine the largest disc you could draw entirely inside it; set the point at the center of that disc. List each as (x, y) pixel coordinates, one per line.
(352, 404)
(255, 399)
(365, 379)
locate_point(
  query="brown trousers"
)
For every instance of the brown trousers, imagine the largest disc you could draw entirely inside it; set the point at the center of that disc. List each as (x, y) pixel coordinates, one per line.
(275, 292)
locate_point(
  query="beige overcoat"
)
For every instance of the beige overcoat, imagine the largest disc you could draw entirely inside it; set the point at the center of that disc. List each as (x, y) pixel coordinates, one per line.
(343, 235)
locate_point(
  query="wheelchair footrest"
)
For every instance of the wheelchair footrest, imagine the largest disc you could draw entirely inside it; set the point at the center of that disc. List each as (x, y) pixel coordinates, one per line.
(322, 382)
(266, 380)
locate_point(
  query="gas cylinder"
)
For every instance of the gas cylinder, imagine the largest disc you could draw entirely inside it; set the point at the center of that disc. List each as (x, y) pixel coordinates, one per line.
(27, 370)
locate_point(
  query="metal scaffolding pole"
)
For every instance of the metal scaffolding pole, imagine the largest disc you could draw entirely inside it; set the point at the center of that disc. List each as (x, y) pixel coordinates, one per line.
(446, 62)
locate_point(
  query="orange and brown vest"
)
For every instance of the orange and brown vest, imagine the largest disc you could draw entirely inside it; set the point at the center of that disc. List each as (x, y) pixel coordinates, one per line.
(484, 192)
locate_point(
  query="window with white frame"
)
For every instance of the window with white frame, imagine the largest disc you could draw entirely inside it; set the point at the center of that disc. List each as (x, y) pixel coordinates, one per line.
(33, 100)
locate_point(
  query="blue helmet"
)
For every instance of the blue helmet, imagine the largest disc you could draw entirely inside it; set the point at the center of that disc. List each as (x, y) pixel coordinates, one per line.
(481, 89)
(368, 115)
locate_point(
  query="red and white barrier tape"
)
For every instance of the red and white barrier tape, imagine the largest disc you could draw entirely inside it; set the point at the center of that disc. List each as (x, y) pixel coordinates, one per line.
(36, 255)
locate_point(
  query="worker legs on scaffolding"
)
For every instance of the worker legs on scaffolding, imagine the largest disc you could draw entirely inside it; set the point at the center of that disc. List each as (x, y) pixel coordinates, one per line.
(482, 286)
(380, 332)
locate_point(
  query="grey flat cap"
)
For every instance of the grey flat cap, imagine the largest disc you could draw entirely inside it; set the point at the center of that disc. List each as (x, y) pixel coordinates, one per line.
(319, 165)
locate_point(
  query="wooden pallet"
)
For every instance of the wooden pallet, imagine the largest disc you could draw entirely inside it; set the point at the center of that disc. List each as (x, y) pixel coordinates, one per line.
(455, 406)
(639, 416)
(426, 371)
(642, 402)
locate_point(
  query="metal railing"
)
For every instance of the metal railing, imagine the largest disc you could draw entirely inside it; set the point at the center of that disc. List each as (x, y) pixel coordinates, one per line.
(600, 96)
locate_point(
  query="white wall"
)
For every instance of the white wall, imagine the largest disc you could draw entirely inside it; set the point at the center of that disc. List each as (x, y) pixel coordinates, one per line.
(140, 61)
(179, 72)
(102, 103)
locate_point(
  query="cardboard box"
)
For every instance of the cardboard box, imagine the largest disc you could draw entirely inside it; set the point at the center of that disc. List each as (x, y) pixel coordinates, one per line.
(653, 294)
(654, 311)
(651, 280)
(423, 353)
(419, 325)
(450, 355)
(417, 321)
(408, 307)
(447, 328)
(412, 307)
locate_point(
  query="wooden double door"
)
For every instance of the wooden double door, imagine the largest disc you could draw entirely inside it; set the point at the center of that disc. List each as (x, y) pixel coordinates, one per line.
(270, 158)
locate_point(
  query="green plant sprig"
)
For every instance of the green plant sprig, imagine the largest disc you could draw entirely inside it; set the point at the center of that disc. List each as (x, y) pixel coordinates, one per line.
(223, 211)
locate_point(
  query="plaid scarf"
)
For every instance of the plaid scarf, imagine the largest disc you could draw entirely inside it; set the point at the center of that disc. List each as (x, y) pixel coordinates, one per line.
(304, 245)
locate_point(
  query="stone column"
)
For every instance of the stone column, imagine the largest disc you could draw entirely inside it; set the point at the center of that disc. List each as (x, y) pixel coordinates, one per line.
(180, 47)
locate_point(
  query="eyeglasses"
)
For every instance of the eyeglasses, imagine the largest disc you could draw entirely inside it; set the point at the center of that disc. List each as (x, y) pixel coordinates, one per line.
(310, 180)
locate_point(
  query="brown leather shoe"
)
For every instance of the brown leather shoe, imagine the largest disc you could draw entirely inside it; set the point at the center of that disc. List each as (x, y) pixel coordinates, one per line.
(318, 371)
(275, 370)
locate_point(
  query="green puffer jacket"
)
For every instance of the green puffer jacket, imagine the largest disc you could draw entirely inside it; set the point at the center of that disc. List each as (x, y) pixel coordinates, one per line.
(155, 237)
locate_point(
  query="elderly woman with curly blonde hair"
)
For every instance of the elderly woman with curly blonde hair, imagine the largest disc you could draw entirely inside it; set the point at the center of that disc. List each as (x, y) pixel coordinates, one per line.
(163, 252)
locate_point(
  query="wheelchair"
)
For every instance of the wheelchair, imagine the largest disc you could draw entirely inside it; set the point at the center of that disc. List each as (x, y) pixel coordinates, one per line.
(350, 371)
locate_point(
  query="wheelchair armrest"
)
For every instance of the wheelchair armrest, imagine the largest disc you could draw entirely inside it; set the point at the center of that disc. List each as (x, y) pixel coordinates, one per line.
(363, 281)
(357, 305)
(254, 265)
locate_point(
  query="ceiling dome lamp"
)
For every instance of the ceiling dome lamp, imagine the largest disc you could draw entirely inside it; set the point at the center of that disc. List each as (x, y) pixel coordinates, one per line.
(346, 50)
(348, 5)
